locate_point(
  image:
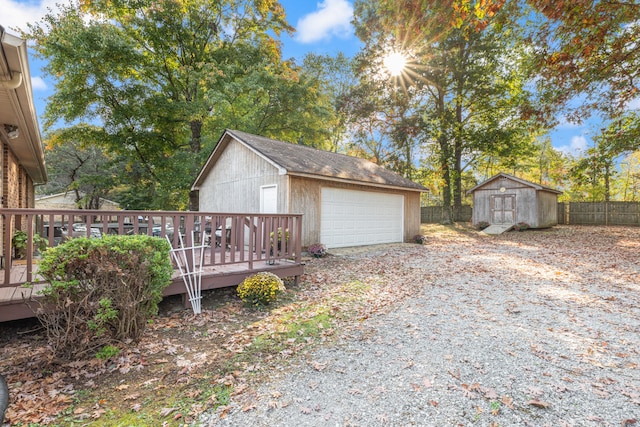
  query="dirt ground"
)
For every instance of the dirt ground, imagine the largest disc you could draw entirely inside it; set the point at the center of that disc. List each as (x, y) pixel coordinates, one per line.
(186, 365)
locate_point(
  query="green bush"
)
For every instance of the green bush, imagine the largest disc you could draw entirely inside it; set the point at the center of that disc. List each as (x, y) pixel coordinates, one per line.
(19, 243)
(101, 292)
(260, 289)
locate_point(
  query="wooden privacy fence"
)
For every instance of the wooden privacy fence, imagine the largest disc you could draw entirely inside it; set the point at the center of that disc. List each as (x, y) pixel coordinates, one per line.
(433, 214)
(576, 213)
(599, 213)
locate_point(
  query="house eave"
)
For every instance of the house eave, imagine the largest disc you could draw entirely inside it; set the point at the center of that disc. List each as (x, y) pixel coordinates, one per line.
(18, 108)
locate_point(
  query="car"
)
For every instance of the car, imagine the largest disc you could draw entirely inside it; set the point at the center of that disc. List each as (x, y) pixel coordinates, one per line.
(157, 230)
(80, 230)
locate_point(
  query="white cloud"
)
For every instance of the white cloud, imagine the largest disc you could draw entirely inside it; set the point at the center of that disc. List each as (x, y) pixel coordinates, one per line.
(577, 146)
(333, 18)
(18, 13)
(37, 83)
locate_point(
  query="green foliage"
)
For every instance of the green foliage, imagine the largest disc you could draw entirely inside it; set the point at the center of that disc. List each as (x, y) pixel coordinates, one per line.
(455, 95)
(260, 289)
(77, 162)
(107, 352)
(164, 79)
(19, 243)
(101, 291)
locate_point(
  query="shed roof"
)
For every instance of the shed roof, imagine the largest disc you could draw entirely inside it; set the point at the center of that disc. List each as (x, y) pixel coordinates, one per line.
(303, 161)
(524, 182)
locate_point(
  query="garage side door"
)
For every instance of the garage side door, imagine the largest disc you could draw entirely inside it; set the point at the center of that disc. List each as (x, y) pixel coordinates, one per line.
(358, 218)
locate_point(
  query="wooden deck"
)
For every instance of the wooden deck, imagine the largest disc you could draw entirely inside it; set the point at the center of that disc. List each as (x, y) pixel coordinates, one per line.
(19, 302)
(245, 249)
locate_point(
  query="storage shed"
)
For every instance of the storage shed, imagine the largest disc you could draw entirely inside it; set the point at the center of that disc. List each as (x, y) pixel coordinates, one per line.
(345, 201)
(504, 199)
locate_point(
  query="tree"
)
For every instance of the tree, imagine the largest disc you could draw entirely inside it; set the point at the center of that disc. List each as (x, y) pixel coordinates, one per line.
(628, 183)
(79, 167)
(335, 78)
(464, 77)
(164, 78)
(588, 50)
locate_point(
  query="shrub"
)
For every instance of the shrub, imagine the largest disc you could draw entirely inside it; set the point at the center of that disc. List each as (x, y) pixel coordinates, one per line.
(521, 226)
(101, 291)
(482, 225)
(419, 239)
(19, 243)
(317, 250)
(107, 352)
(260, 289)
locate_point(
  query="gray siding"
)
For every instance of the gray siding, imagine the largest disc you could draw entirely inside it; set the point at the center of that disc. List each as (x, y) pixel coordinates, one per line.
(233, 184)
(547, 209)
(536, 207)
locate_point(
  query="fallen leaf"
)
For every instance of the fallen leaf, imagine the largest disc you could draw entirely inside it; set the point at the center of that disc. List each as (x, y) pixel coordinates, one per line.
(97, 413)
(538, 404)
(507, 401)
(489, 393)
(166, 411)
(319, 366)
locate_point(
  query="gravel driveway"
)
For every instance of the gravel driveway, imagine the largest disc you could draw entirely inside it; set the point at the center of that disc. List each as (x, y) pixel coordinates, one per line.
(540, 328)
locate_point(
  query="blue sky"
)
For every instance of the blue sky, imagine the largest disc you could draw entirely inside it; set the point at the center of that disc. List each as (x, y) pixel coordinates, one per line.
(322, 26)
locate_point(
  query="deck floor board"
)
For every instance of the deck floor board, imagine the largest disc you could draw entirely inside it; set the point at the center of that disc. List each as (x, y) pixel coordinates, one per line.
(13, 305)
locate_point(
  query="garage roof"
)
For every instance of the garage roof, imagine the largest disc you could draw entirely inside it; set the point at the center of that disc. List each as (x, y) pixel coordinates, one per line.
(304, 161)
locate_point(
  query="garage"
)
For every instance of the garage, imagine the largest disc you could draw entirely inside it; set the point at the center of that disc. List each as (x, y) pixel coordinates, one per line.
(344, 200)
(356, 218)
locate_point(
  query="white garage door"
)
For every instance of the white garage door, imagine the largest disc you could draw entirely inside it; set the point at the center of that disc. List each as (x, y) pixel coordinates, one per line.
(357, 218)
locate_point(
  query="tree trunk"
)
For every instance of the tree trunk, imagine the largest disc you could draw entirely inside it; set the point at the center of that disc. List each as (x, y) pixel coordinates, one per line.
(196, 136)
(196, 146)
(445, 154)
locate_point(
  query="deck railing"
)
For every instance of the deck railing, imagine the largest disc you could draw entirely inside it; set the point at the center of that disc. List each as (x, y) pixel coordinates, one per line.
(230, 238)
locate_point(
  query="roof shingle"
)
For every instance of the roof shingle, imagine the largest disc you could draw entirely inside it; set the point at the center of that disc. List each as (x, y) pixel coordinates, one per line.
(301, 160)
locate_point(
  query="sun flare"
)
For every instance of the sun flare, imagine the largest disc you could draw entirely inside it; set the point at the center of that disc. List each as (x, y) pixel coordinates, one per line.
(395, 63)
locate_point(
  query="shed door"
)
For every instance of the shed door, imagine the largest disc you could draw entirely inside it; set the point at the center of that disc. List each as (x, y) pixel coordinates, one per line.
(503, 209)
(358, 218)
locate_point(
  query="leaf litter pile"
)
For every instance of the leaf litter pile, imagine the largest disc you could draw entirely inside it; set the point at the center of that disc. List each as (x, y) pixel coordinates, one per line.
(534, 328)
